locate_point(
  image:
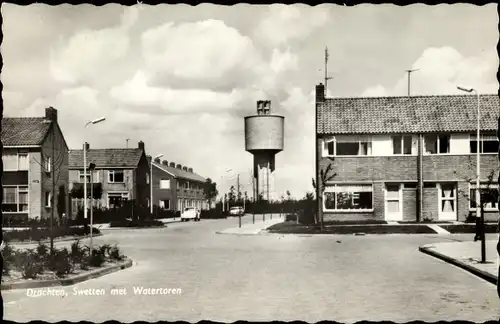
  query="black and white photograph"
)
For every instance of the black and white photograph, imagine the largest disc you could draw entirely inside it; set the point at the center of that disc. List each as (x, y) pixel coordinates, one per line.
(270, 162)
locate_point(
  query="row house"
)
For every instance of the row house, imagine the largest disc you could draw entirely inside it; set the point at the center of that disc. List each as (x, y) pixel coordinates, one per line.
(120, 174)
(176, 187)
(35, 167)
(406, 158)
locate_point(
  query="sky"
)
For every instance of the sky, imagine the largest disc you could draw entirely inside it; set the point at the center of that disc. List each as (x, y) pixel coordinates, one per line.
(181, 78)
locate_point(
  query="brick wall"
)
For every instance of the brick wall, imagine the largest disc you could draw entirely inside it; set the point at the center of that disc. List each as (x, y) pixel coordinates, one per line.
(164, 194)
(55, 147)
(430, 202)
(35, 185)
(142, 190)
(409, 204)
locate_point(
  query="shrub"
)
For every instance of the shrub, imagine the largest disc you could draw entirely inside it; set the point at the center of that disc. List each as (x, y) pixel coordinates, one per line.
(213, 214)
(137, 223)
(30, 264)
(60, 262)
(8, 255)
(77, 253)
(38, 234)
(96, 259)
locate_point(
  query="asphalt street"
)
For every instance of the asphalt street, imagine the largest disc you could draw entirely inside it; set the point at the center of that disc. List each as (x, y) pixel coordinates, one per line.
(226, 278)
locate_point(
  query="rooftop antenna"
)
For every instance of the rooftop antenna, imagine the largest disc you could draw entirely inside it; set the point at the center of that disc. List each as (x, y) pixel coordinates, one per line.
(127, 141)
(409, 78)
(326, 71)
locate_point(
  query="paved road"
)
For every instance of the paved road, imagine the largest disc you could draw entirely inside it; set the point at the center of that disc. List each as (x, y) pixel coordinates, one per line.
(271, 277)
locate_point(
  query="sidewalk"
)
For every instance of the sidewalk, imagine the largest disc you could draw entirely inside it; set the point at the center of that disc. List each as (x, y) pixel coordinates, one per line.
(467, 255)
(254, 229)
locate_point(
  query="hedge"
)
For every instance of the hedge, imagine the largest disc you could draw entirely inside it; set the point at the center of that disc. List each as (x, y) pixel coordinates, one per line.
(37, 234)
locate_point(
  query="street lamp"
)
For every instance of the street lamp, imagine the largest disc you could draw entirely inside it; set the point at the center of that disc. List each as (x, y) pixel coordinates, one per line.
(151, 182)
(478, 168)
(92, 122)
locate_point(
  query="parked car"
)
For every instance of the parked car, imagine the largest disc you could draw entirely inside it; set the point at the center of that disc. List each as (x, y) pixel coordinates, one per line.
(190, 213)
(236, 211)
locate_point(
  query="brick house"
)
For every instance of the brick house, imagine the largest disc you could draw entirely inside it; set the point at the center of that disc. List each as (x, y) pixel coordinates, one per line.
(406, 158)
(176, 187)
(122, 174)
(35, 167)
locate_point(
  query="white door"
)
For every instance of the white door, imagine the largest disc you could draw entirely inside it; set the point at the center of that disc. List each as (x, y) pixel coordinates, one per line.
(393, 202)
(447, 202)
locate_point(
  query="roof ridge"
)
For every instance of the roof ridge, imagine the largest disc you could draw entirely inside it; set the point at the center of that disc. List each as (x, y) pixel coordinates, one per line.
(413, 96)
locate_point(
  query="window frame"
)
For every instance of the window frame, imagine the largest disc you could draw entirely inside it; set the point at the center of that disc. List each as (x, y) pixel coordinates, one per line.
(328, 189)
(481, 140)
(438, 143)
(483, 185)
(18, 189)
(111, 174)
(17, 155)
(47, 200)
(334, 139)
(162, 181)
(402, 142)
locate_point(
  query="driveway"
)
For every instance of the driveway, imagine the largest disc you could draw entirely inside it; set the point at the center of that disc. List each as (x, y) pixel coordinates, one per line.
(269, 277)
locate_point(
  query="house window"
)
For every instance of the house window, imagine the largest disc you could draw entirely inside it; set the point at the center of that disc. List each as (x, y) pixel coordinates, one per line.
(489, 196)
(95, 176)
(410, 185)
(15, 162)
(487, 144)
(430, 185)
(401, 144)
(165, 204)
(116, 176)
(187, 185)
(48, 199)
(347, 146)
(117, 199)
(47, 164)
(348, 198)
(15, 199)
(437, 144)
(164, 184)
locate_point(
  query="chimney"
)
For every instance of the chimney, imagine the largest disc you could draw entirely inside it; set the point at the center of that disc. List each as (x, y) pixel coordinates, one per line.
(179, 166)
(164, 162)
(87, 146)
(185, 168)
(51, 114)
(157, 160)
(141, 146)
(172, 164)
(320, 93)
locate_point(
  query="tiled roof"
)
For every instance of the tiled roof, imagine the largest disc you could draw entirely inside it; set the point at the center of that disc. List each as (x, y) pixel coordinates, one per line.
(179, 173)
(106, 158)
(20, 131)
(424, 114)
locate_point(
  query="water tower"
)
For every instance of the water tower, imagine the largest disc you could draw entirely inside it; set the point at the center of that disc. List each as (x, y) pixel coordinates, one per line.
(264, 139)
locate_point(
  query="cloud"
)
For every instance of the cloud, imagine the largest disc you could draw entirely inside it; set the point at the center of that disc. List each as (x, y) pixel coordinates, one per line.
(89, 56)
(207, 53)
(440, 70)
(285, 23)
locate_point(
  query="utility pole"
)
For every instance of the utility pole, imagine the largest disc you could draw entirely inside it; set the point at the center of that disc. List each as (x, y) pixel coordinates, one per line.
(238, 186)
(409, 80)
(326, 71)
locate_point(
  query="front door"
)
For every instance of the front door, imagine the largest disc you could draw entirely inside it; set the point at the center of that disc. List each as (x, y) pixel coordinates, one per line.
(447, 202)
(393, 202)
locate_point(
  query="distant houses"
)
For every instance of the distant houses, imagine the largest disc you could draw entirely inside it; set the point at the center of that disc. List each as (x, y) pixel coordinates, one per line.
(43, 177)
(119, 175)
(176, 187)
(35, 168)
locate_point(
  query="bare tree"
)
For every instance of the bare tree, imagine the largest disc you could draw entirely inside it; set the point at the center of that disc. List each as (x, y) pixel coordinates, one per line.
(326, 175)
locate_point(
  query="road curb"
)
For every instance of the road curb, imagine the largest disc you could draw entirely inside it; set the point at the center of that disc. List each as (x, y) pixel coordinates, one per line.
(74, 238)
(475, 271)
(68, 281)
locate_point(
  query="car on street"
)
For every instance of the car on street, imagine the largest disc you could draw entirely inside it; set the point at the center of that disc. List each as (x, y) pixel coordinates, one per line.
(236, 211)
(190, 213)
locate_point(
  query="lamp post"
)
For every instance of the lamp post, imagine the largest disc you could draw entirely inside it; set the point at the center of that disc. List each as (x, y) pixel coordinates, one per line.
(478, 174)
(151, 182)
(223, 197)
(91, 169)
(92, 122)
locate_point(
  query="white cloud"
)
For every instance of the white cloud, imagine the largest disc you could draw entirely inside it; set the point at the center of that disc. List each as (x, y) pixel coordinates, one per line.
(204, 52)
(440, 70)
(285, 23)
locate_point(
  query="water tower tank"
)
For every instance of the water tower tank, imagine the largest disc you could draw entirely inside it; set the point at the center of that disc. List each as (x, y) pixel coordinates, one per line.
(264, 138)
